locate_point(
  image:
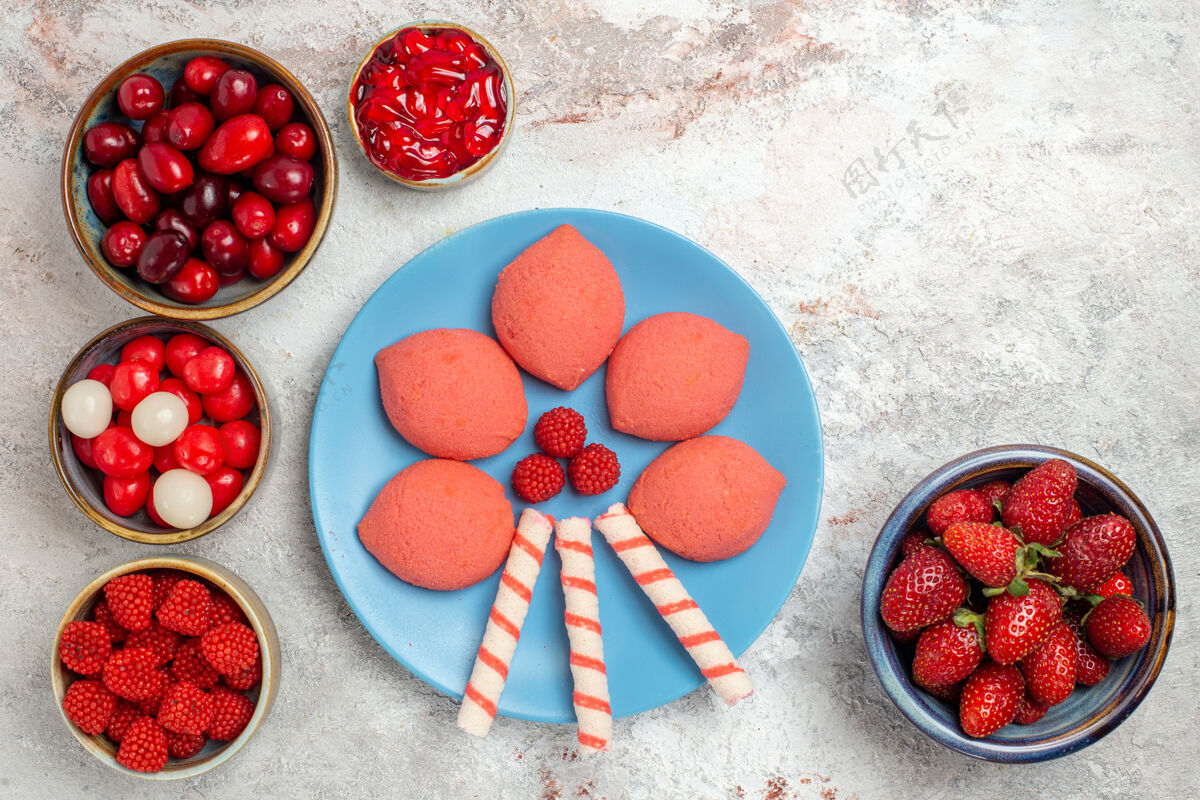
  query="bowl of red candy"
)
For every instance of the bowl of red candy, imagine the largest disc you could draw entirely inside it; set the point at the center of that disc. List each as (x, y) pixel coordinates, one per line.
(432, 105)
(163, 668)
(198, 179)
(160, 430)
(1018, 604)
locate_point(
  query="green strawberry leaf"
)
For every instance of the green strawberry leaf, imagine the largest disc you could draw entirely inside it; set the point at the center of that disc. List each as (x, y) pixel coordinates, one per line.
(1017, 587)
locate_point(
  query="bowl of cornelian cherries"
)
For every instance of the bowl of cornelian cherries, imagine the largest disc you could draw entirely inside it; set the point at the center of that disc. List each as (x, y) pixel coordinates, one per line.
(1018, 604)
(163, 668)
(431, 105)
(198, 179)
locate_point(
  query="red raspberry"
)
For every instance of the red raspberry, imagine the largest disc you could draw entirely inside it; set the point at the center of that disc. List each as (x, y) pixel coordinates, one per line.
(187, 608)
(185, 745)
(89, 706)
(158, 639)
(537, 477)
(143, 747)
(103, 614)
(560, 432)
(186, 708)
(130, 599)
(131, 673)
(189, 665)
(230, 648)
(122, 718)
(231, 711)
(248, 679)
(84, 647)
(164, 582)
(595, 470)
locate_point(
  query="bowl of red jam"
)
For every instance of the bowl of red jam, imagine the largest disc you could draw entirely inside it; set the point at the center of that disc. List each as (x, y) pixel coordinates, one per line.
(431, 105)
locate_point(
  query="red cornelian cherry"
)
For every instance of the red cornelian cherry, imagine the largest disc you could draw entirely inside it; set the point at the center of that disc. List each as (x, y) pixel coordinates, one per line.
(166, 169)
(123, 243)
(155, 129)
(199, 449)
(163, 256)
(140, 96)
(195, 283)
(294, 225)
(145, 348)
(296, 139)
(266, 260)
(190, 125)
(117, 452)
(284, 179)
(99, 190)
(253, 215)
(180, 349)
(274, 104)
(171, 219)
(240, 143)
(211, 370)
(201, 74)
(134, 196)
(131, 382)
(225, 250)
(109, 143)
(241, 439)
(182, 94)
(235, 92)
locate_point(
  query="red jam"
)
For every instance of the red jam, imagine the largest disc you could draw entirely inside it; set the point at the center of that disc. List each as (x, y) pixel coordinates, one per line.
(429, 103)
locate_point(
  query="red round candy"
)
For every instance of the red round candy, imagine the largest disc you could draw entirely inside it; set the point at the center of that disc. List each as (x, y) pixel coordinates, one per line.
(253, 215)
(125, 419)
(241, 439)
(119, 453)
(296, 139)
(211, 370)
(102, 373)
(226, 483)
(155, 128)
(126, 496)
(274, 104)
(140, 96)
(180, 349)
(153, 512)
(265, 259)
(190, 399)
(234, 402)
(190, 125)
(195, 283)
(201, 73)
(145, 348)
(83, 450)
(123, 243)
(131, 382)
(199, 449)
(164, 458)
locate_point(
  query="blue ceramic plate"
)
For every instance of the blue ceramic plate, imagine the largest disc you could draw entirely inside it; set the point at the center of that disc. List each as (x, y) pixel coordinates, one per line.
(354, 451)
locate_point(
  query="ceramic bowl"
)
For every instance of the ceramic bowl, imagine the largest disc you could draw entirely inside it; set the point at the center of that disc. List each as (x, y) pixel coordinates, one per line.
(479, 167)
(85, 485)
(166, 62)
(1090, 712)
(214, 753)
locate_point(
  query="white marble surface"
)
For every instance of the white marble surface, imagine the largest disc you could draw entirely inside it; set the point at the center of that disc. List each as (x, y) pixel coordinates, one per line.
(1032, 276)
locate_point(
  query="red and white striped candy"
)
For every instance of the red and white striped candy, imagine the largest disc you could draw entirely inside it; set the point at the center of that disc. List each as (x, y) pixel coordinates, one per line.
(695, 632)
(504, 623)
(592, 710)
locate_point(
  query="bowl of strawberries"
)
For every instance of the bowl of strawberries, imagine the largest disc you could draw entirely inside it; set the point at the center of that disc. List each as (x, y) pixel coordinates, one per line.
(1018, 603)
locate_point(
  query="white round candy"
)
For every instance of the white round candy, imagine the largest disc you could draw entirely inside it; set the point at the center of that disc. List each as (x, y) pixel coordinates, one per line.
(87, 408)
(183, 499)
(159, 418)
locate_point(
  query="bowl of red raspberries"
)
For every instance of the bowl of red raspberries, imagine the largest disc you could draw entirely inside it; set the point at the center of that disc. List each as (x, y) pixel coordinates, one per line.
(164, 668)
(1018, 604)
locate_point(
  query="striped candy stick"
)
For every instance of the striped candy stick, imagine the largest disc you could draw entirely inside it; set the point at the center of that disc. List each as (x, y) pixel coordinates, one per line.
(592, 711)
(693, 629)
(503, 629)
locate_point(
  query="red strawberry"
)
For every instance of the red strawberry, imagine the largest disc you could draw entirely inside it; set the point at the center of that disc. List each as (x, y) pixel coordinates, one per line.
(965, 505)
(1050, 669)
(130, 599)
(538, 477)
(189, 665)
(84, 647)
(143, 747)
(1029, 711)
(248, 679)
(231, 711)
(1117, 584)
(164, 582)
(103, 614)
(1093, 550)
(122, 718)
(230, 648)
(185, 745)
(907, 636)
(946, 654)
(560, 432)
(158, 639)
(990, 699)
(186, 708)
(995, 492)
(186, 608)
(912, 541)
(1040, 502)
(594, 470)
(1076, 513)
(924, 589)
(224, 609)
(949, 694)
(1090, 666)
(1117, 627)
(1016, 625)
(131, 673)
(988, 552)
(89, 706)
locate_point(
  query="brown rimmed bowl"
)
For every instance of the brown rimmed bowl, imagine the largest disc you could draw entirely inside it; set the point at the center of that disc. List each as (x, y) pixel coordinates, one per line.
(214, 753)
(462, 176)
(84, 485)
(166, 62)
(1091, 712)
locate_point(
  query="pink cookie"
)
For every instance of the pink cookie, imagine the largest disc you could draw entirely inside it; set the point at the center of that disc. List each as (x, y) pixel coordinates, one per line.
(707, 498)
(558, 308)
(453, 393)
(673, 376)
(439, 524)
